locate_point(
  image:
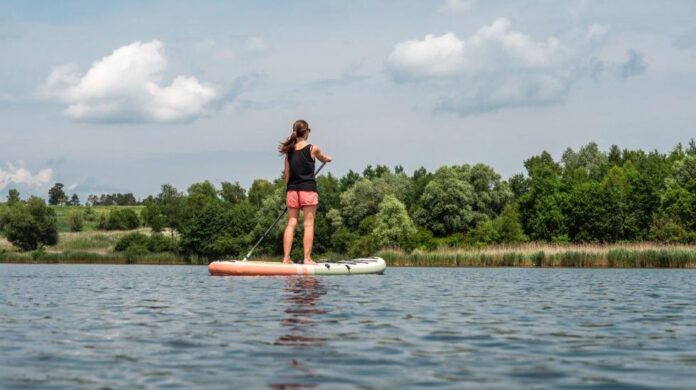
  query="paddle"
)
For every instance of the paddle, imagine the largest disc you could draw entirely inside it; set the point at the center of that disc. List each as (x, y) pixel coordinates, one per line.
(248, 255)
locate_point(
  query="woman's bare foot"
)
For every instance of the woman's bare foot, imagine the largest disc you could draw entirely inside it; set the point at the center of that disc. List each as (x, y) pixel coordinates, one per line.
(309, 261)
(287, 261)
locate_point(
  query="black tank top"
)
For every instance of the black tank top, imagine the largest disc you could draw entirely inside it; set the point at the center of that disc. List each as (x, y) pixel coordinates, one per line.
(301, 170)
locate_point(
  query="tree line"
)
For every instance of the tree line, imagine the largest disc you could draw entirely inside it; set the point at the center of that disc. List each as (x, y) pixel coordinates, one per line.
(58, 197)
(589, 195)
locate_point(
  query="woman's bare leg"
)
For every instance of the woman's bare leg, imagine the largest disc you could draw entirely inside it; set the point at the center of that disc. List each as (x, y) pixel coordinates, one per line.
(289, 234)
(308, 239)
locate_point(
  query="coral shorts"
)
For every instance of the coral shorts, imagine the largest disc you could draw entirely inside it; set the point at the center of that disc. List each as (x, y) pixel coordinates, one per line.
(299, 199)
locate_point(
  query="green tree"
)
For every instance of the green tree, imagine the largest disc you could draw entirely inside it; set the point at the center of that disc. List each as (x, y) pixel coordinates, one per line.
(679, 206)
(393, 226)
(387, 183)
(691, 149)
(330, 195)
(363, 246)
(260, 190)
(56, 195)
(271, 207)
(348, 180)
(667, 232)
(362, 199)
(170, 203)
(594, 213)
(420, 178)
(200, 194)
(541, 207)
(13, 197)
(684, 170)
(646, 174)
(508, 226)
(122, 219)
(359, 201)
(519, 185)
(232, 193)
(484, 233)
(76, 221)
(341, 240)
(491, 193)
(585, 213)
(102, 222)
(369, 173)
(614, 156)
(218, 230)
(678, 201)
(205, 190)
(335, 219)
(30, 225)
(158, 243)
(89, 214)
(74, 200)
(4, 215)
(152, 215)
(446, 205)
(616, 190)
(131, 239)
(592, 161)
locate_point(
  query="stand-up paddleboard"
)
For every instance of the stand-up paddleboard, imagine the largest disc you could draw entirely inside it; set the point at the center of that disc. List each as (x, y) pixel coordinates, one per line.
(368, 265)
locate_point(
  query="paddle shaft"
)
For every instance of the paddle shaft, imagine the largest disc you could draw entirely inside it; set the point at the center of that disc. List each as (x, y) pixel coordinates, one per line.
(248, 255)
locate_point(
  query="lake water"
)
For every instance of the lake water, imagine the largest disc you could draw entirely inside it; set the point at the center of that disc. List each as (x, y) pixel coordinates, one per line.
(151, 326)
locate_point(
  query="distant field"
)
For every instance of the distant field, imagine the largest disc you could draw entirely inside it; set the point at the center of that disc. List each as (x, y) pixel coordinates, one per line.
(63, 215)
(96, 241)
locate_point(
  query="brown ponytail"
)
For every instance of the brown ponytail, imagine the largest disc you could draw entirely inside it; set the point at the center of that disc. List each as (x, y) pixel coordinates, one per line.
(300, 129)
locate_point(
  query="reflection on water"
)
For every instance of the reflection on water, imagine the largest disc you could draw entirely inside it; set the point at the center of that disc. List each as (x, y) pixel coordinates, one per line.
(301, 299)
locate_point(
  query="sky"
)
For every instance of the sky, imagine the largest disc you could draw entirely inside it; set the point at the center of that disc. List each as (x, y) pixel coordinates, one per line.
(125, 96)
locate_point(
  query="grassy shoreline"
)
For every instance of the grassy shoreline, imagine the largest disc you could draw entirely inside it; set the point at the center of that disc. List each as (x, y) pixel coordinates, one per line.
(642, 255)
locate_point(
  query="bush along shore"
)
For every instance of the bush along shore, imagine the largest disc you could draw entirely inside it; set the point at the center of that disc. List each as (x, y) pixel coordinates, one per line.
(528, 255)
(39, 257)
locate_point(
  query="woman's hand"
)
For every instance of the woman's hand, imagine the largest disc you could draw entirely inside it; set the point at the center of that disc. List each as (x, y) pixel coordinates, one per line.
(316, 151)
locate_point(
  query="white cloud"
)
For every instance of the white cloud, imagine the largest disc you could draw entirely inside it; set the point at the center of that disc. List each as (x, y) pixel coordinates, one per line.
(458, 6)
(496, 67)
(433, 56)
(256, 45)
(126, 86)
(19, 175)
(493, 47)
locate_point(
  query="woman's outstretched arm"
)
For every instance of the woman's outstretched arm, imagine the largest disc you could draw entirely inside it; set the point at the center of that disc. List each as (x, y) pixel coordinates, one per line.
(316, 153)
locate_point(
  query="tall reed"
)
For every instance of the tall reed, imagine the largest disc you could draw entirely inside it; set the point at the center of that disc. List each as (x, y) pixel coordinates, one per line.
(538, 255)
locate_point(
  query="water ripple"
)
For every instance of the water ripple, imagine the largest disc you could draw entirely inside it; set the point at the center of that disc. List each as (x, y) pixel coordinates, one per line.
(154, 326)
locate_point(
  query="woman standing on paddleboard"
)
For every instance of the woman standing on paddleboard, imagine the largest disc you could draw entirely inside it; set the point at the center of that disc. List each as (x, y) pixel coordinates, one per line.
(301, 187)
